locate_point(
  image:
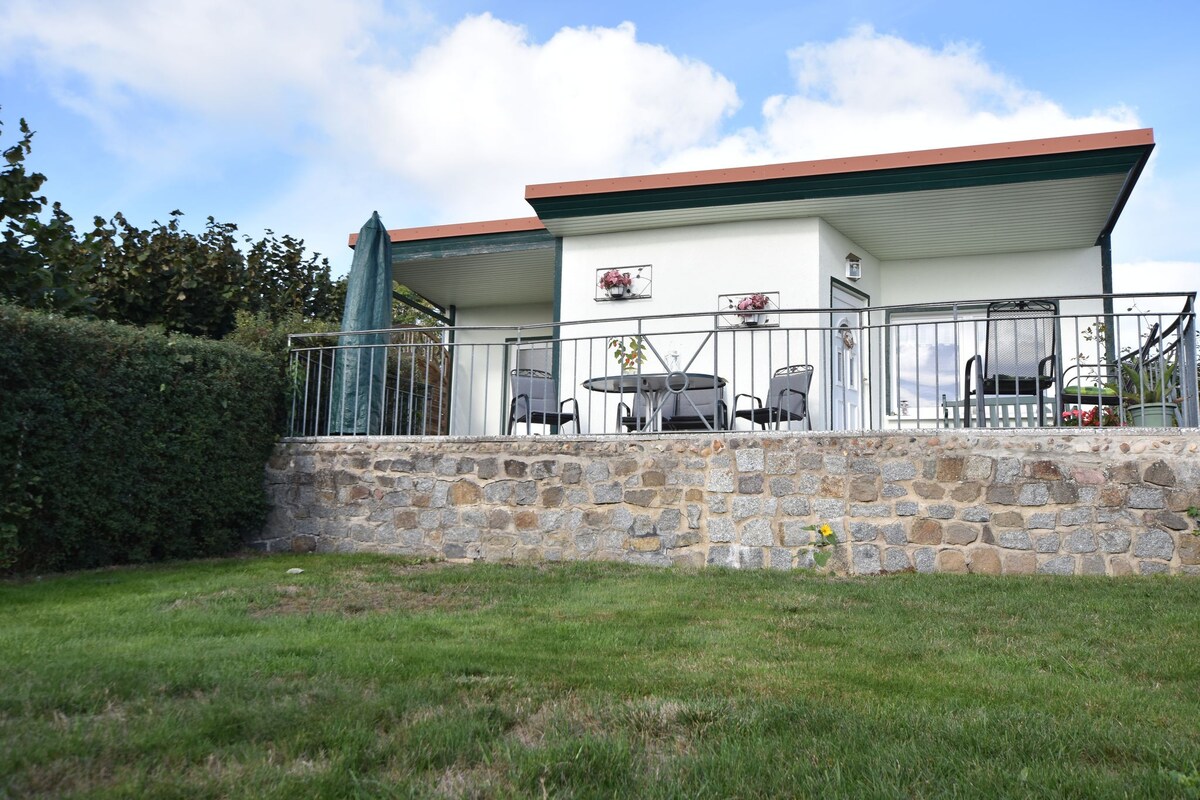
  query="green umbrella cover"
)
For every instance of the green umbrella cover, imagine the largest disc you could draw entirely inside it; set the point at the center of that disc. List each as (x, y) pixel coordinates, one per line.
(356, 405)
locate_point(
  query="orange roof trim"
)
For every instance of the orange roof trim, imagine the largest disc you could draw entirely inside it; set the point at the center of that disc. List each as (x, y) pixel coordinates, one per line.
(832, 166)
(461, 229)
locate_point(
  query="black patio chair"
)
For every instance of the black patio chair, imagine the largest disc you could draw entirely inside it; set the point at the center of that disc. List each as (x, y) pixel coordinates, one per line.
(695, 410)
(1020, 357)
(633, 419)
(535, 401)
(786, 401)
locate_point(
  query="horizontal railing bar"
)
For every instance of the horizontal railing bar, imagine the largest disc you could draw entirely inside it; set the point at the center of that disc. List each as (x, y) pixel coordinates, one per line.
(927, 306)
(867, 325)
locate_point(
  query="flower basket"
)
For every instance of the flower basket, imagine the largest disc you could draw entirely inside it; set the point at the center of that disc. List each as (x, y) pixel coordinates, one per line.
(750, 309)
(618, 285)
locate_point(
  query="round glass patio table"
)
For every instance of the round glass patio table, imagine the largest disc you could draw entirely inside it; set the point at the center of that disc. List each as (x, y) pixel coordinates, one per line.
(654, 387)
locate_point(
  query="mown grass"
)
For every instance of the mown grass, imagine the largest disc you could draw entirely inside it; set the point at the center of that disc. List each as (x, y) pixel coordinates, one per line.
(370, 677)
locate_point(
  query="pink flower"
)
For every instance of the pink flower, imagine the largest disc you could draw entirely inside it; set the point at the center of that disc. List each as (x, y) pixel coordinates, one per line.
(615, 278)
(754, 302)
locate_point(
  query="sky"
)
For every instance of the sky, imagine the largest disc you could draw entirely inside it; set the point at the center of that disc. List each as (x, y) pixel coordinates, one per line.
(304, 116)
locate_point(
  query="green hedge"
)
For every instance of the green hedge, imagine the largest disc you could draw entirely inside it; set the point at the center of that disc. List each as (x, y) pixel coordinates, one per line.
(121, 445)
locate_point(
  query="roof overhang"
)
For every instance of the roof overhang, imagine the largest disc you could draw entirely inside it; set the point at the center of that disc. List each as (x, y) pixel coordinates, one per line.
(1019, 196)
(498, 262)
(1042, 194)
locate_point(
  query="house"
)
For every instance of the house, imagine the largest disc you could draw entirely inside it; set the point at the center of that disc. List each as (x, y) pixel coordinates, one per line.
(876, 270)
(898, 294)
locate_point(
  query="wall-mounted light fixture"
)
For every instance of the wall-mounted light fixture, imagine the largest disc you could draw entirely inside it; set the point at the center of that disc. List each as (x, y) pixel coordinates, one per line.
(853, 267)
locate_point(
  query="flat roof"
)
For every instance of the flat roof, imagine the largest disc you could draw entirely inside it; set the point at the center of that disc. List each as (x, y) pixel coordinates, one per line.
(842, 166)
(517, 224)
(680, 197)
(1040, 194)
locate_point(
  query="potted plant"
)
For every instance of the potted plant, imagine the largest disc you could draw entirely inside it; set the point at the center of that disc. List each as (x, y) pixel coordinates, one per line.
(750, 309)
(619, 285)
(628, 353)
(1150, 385)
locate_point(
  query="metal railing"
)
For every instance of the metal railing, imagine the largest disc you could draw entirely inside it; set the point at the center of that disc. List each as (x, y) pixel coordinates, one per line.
(1099, 360)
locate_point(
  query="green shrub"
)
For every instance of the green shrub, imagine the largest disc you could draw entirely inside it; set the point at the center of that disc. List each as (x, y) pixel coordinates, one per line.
(259, 332)
(120, 445)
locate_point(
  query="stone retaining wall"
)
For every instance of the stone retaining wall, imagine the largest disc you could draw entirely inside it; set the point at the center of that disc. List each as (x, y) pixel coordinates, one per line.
(1059, 502)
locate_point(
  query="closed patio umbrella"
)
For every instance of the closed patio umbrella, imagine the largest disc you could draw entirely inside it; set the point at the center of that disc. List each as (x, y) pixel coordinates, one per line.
(356, 405)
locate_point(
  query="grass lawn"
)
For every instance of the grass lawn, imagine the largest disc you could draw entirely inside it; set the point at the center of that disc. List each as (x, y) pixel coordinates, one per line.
(368, 677)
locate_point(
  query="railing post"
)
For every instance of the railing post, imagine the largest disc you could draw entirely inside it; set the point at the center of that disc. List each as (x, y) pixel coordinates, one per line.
(1187, 362)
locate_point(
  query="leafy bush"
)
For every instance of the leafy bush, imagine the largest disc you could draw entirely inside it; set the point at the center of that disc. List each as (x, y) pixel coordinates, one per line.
(120, 445)
(261, 332)
(163, 275)
(270, 337)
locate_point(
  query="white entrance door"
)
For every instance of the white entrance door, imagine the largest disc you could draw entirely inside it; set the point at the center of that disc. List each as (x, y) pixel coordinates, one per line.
(847, 360)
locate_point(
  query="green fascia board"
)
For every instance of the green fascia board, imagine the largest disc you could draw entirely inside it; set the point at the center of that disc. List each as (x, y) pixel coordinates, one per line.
(886, 181)
(483, 244)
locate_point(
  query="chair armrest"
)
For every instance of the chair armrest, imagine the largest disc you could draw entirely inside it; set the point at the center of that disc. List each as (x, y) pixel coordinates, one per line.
(974, 368)
(621, 417)
(758, 403)
(977, 362)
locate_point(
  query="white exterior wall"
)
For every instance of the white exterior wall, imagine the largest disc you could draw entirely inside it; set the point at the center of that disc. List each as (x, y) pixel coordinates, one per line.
(694, 264)
(835, 246)
(1050, 273)
(479, 404)
(691, 266)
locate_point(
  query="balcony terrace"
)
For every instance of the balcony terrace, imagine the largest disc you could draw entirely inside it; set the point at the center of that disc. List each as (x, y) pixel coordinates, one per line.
(1092, 360)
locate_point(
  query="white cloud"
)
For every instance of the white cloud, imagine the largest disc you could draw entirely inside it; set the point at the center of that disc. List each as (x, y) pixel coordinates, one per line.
(377, 107)
(484, 111)
(481, 111)
(452, 122)
(224, 58)
(874, 93)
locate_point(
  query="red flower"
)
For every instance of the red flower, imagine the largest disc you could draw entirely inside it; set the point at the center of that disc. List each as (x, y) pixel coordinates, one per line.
(1096, 417)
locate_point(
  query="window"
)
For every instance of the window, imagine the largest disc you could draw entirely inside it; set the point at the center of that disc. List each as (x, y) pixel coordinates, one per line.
(927, 351)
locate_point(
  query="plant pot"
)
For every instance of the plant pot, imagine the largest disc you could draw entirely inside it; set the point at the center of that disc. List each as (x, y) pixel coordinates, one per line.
(1152, 415)
(619, 292)
(752, 320)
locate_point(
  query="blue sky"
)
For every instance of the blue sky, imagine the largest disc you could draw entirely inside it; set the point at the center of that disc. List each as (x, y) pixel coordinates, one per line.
(304, 116)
